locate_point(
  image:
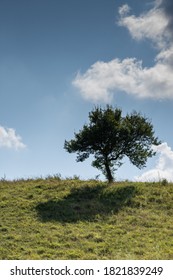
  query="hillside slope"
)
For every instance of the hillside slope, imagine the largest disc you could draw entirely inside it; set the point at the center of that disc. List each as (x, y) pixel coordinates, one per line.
(72, 219)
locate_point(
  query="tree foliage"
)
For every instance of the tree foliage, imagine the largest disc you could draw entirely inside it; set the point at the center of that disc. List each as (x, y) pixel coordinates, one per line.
(110, 137)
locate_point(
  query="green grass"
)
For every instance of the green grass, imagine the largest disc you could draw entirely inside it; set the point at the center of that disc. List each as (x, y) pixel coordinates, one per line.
(72, 219)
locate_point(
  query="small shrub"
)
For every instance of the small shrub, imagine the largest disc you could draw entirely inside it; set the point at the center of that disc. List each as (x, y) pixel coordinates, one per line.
(164, 182)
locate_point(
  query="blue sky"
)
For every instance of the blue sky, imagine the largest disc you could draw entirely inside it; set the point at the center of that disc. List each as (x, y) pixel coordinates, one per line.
(59, 58)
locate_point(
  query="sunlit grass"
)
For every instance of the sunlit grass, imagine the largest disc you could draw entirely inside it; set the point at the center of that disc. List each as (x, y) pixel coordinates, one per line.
(54, 218)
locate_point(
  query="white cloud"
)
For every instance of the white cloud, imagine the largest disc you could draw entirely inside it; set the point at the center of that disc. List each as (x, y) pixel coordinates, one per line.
(166, 56)
(9, 139)
(105, 79)
(163, 168)
(151, 25)
(123, 10)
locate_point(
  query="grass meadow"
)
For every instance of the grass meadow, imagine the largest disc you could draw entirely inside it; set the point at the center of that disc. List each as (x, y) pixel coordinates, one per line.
(56, 218)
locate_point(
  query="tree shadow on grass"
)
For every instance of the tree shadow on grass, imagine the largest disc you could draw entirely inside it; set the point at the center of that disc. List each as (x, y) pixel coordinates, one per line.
(86, 204)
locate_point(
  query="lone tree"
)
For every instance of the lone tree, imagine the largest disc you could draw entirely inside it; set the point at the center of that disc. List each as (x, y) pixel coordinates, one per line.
(110, 137)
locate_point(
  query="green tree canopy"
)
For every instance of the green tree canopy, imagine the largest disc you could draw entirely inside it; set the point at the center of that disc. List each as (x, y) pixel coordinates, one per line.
(110, 137)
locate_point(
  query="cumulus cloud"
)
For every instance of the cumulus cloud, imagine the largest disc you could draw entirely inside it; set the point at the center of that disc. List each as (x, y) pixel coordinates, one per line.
(105, 79)
(151, 25)
(163, 168)
(9, 139)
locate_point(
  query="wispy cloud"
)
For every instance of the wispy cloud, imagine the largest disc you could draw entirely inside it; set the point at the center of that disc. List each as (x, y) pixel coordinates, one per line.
(163, 168)
(9, 139)
(124, 10)
(105, 79)
(167, 6)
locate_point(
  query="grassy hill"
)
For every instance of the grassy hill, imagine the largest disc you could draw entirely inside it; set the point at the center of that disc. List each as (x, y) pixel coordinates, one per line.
(72, 219)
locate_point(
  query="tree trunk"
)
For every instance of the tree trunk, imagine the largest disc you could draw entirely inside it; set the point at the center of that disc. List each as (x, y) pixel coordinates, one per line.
(108, 172)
